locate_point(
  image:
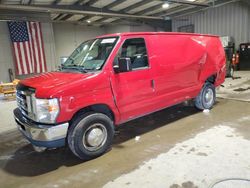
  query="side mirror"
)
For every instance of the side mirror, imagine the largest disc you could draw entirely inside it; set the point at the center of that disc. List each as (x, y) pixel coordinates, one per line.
(124, 65)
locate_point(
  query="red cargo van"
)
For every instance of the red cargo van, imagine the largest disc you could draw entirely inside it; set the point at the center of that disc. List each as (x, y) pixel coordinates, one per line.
(115, 78)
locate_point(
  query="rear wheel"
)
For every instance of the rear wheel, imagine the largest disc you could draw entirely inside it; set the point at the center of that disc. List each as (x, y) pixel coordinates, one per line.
(90, 135)
(206, 97)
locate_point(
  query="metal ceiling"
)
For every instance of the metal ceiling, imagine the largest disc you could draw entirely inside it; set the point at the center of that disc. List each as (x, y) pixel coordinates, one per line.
(100, 12)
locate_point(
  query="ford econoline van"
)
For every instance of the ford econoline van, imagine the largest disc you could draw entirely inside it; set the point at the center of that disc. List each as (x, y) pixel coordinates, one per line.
(113, 79)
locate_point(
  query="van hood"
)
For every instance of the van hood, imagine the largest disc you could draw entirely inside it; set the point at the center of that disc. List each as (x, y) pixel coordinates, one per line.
(52, 83)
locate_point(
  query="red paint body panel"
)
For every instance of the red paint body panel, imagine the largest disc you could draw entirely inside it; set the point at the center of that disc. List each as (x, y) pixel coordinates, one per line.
(179, 64)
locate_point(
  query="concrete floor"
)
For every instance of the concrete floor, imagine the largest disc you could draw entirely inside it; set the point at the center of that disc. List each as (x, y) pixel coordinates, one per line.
(178, 147)
(237, 88)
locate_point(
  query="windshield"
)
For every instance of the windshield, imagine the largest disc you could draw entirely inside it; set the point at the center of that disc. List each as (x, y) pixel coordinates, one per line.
(90, 55)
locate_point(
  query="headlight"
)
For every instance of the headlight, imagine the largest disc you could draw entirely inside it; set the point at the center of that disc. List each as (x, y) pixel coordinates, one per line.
(46, 110)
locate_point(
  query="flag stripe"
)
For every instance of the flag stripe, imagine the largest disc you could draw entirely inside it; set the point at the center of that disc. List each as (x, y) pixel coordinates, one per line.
(23, 57)
(31, 50)
(17, 59)
(42, 49)
(20, 57)
(36, 49)
(38, 46)
(26, 57)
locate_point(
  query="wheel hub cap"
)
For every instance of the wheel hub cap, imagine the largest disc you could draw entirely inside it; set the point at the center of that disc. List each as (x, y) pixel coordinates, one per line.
(209, 97)
(95, 137)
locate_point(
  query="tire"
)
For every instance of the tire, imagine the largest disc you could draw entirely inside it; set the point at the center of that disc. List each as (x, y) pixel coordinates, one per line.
(90, 135)
(206, 97)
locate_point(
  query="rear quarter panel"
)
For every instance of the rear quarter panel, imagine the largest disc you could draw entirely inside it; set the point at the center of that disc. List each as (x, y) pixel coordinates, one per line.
(215, 61)
(176, 62)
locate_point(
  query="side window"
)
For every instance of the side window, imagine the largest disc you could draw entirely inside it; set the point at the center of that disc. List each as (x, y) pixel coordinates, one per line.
(135, 49)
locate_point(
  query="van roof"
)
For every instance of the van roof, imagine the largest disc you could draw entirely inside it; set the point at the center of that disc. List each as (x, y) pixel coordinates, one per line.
(154, 33)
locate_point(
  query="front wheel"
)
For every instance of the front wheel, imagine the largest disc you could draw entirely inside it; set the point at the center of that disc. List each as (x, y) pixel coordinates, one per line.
(90, 135)
(206, 97)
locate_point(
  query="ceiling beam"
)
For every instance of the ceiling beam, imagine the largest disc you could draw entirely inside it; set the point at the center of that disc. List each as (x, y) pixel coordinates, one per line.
(189, 3)
(58, 17)
(102, 19)
(136, 5)
(149, 9)
(99, 21)
(143, 2)
(67, 17)
(91, 2)
(109, 23)
(45, 17)
(24, 16)
(56, 2)
(197, 9)
(179, 9)
(79, 2)
(126, 22)
(181, 5)
(122, 22)
(156, 7)
(184, 11)
(85, 18)
(174, 9)
(220, 2)
(67, 10)
(113, 4)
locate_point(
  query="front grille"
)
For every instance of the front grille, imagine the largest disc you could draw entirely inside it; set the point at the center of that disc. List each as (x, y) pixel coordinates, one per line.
(24, 100)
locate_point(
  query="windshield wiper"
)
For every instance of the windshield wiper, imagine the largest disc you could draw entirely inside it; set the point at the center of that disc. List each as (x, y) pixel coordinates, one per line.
(75, 67)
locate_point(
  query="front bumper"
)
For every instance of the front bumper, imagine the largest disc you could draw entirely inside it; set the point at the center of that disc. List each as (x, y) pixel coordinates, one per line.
(50, 136)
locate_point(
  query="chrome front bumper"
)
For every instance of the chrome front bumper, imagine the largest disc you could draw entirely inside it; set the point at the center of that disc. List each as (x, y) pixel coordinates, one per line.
(41, 135)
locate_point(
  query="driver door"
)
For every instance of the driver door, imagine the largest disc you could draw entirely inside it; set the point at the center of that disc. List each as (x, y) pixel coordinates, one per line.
(133, 90)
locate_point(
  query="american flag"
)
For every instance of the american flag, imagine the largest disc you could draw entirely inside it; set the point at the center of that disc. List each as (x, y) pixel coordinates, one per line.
(28, 47)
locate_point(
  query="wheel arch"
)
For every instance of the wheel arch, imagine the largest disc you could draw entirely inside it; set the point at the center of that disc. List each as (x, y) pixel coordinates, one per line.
(211, 79)
(99, 108)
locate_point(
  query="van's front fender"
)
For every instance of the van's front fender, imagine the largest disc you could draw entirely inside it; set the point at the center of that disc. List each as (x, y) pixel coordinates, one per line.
(70, 105)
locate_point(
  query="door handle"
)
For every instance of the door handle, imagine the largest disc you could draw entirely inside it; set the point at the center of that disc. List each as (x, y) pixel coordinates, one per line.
(153, 84)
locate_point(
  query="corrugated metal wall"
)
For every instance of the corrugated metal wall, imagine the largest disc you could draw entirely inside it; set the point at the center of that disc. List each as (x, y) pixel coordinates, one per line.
(231, 19)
